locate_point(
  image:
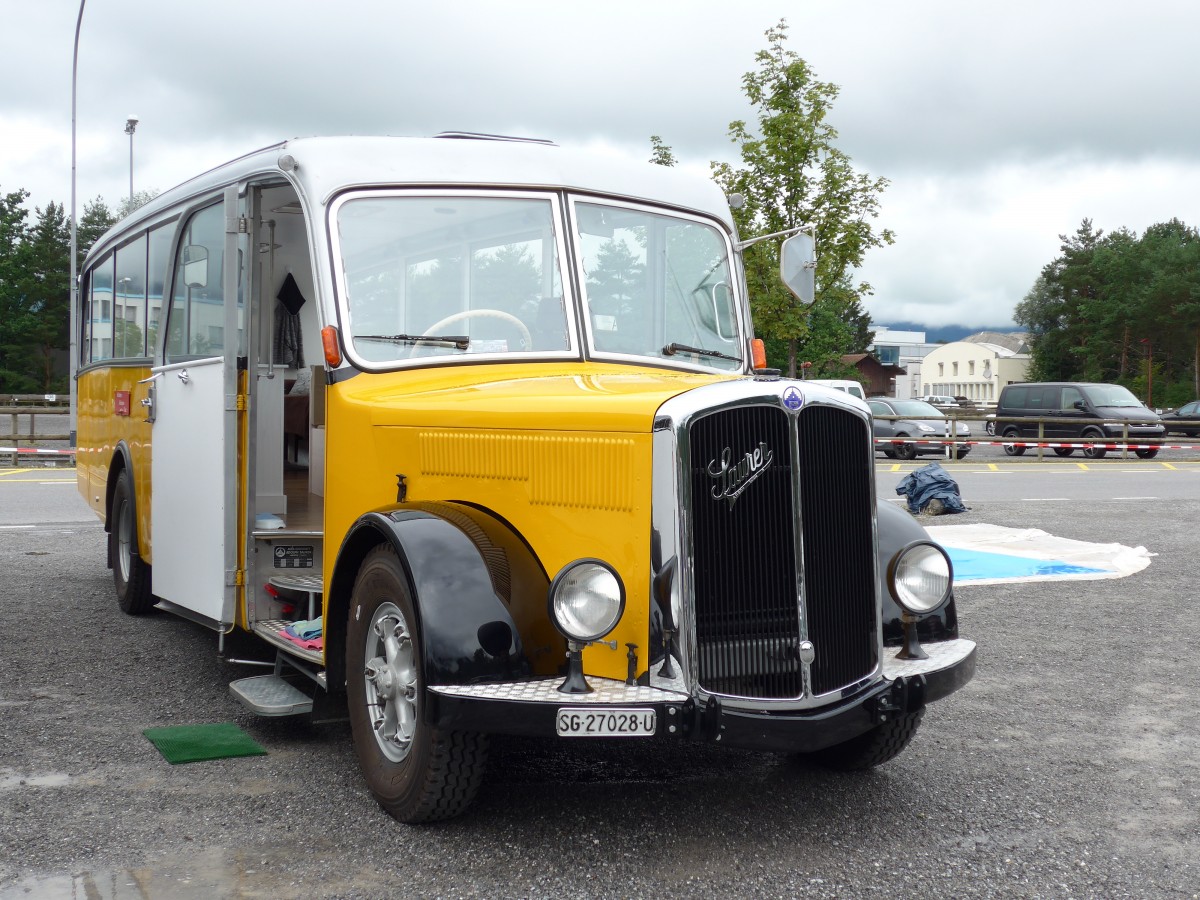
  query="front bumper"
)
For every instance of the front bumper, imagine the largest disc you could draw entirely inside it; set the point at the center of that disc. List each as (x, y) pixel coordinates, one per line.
(530, 707)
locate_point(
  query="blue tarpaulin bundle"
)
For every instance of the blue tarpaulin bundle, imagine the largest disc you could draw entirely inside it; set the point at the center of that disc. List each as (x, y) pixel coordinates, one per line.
(927, 483)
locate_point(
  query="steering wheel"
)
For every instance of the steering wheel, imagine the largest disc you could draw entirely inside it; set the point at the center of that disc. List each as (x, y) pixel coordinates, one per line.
(500, 314)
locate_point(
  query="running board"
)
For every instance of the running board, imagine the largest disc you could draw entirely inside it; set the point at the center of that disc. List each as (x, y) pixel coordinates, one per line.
(271, 695)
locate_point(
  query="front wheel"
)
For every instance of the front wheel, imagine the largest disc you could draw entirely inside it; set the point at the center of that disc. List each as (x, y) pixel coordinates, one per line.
(131, 574)
(872, 748)
(417, 773)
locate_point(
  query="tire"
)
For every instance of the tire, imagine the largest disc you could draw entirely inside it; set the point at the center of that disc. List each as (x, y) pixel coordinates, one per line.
(1011, 449)
(416, 772)
(905, 451)
(1147, 454)
(890, 454)
(1063, 451)
(131, 574)
(961, 452)
(1094, 452)
(872, 748)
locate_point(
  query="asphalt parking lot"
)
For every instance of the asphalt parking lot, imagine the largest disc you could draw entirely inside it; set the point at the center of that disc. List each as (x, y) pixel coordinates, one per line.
(1069, 767)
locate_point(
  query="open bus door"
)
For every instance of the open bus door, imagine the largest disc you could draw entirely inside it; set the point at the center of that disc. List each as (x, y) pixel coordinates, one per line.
(194, 465)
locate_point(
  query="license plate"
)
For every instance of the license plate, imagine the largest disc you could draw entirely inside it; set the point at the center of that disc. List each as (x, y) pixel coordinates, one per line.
(606, 722)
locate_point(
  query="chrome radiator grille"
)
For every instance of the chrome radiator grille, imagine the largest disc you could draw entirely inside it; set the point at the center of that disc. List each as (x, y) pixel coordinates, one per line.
(744, 550)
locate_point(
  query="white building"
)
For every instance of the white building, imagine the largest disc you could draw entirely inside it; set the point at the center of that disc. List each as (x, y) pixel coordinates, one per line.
(976, 367)
(906, 349)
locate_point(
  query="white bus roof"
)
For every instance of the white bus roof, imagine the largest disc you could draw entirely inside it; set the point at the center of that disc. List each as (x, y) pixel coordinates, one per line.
(325, 165)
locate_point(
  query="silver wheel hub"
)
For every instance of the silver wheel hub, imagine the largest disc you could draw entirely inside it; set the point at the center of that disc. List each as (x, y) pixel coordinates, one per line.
(391, 681)
(124, 539)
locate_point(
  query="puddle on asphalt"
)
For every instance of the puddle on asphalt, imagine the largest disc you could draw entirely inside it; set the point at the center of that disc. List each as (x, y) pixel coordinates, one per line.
(10, 780)
(209, 875)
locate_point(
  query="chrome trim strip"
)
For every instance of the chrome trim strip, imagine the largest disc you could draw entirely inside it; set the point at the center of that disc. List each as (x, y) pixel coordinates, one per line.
(605, 691)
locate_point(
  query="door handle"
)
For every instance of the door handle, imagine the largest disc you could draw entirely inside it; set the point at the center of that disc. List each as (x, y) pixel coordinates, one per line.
(183, 376)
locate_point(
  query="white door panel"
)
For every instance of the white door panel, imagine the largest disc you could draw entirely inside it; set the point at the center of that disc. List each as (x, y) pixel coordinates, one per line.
(188, 504)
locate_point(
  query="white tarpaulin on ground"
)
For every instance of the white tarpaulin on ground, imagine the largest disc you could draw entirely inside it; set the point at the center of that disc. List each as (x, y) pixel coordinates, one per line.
(993, 554)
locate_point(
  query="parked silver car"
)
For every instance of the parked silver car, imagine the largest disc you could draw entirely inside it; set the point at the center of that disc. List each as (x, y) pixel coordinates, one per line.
(920, 428)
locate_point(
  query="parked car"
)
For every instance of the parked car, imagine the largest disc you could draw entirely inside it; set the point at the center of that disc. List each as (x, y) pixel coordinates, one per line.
(921, 426)
(853, 388)
(1097, 412)
(940, 400)
(1185, 420)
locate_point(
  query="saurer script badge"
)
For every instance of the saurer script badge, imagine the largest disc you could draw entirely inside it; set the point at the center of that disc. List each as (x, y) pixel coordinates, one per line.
(734, 477)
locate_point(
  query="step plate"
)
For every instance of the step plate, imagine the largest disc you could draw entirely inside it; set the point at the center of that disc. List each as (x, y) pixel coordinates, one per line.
(268, 630)
(270, 695)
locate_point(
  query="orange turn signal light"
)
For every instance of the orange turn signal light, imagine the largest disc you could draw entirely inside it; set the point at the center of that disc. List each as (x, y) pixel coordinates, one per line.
(759, 351)
(329, 343)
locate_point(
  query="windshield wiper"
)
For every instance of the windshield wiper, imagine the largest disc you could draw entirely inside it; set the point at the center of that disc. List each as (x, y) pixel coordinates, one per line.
(459, 341)
(672, 349)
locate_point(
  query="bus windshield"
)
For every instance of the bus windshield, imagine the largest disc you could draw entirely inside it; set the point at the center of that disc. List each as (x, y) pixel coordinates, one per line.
(658, 286)
(437, 276)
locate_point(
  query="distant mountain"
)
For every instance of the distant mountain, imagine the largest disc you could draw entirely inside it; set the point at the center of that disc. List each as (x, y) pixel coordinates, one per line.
(945, 333)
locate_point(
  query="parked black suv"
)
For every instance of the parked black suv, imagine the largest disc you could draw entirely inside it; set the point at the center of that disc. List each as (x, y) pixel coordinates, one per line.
(1105, 412)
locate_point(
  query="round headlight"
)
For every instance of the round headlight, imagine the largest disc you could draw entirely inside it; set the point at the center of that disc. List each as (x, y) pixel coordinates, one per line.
(920, 577)
(586, 600)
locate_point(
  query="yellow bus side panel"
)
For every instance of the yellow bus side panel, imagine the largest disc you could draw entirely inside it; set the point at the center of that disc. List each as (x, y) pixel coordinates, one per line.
(99, 429)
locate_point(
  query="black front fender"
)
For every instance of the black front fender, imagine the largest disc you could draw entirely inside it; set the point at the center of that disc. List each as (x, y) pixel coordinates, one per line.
(456, 576)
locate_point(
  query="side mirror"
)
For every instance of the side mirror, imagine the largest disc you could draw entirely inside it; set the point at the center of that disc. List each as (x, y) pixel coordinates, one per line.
(1079, 404)
(195, 266)
(798, 267)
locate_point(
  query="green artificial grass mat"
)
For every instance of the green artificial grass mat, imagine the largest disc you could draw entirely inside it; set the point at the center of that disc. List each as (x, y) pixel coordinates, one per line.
(193, 743)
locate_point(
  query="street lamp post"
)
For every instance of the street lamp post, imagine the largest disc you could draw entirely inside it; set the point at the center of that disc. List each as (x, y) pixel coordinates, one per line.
(72, 343)
(130, 128)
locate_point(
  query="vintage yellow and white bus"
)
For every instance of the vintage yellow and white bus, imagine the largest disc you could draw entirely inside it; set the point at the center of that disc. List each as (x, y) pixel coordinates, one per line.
(470, 433)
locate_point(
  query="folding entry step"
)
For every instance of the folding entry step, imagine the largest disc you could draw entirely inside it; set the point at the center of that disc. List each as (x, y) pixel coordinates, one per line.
(309, 585)
(271, 695)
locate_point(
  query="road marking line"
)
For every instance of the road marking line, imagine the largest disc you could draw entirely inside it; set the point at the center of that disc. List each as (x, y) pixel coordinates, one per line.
(1167, 465)
(1135, 498)
(1082, 466)
(993, 467)
(1045, 499)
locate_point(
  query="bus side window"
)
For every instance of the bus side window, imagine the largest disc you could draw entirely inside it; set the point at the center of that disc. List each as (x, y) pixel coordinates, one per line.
(196, 320)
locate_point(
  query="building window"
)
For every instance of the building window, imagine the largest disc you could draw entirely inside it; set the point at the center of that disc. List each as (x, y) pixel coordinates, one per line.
(889, 356)
(941, 370)
(954, 365)
(971, 367)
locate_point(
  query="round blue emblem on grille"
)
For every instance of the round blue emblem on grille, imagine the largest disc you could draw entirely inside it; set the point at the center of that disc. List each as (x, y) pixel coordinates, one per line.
(792, 398)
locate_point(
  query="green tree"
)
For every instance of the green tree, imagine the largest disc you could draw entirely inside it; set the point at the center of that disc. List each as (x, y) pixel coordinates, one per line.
(45, 305)
(13, 233)
(793, 175)
(1122, 308)
(97, 218)
(660, 153)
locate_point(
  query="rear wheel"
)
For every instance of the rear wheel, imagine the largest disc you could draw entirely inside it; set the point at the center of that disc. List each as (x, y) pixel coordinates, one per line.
(131, 574)
(1012, 434)
(872, 748)
(1094, 452)
(417, 773)
(906, 450)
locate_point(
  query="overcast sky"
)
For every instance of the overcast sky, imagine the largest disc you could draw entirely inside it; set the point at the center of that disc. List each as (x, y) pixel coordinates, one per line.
(1000, 125)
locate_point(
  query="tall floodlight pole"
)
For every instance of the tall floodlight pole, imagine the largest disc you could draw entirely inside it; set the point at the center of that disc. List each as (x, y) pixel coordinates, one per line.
(130, 128)
(73, 348)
